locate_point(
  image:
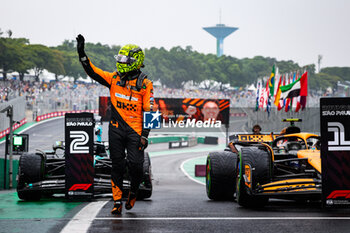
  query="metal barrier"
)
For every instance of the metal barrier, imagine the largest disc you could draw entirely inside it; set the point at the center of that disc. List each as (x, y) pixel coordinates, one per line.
(19, 108)
(273, 123)
(80, 98)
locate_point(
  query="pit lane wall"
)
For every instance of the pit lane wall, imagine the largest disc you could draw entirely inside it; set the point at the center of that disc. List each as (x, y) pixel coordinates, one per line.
(14, 175)
(273, 123)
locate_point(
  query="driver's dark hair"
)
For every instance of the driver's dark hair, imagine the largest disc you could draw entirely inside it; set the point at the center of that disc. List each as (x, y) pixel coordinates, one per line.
(256, 126)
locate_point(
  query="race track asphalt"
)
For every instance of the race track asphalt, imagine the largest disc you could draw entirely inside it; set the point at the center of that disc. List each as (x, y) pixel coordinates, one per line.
(178, 204)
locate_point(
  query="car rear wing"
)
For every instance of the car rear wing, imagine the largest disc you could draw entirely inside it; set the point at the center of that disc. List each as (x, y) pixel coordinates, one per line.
(253, 138)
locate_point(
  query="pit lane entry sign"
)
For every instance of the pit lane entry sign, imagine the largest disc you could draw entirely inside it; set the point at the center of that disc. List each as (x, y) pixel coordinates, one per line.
(335, 151)
(79, 170)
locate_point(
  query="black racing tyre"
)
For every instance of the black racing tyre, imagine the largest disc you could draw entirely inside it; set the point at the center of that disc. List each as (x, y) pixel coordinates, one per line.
(147, 178)
(260, 163)
(30, 170)
(221, 172)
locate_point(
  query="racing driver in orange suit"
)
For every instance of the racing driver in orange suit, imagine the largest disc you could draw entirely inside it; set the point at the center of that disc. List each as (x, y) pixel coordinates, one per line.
(131, 94)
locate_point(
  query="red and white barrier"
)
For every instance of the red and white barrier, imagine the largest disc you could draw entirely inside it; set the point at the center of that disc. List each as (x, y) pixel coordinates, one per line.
(61, 113)
(14, 127)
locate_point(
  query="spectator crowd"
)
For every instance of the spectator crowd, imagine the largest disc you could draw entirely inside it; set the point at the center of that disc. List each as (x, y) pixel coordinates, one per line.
(81, 96)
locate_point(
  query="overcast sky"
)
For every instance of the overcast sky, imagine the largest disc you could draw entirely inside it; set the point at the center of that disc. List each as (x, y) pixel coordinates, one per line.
(297, 30)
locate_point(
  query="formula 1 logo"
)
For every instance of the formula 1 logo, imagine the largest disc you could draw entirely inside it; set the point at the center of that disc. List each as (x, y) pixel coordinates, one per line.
(339, 143)
(151, 120)
(339, 193)
(77, 145)
(80, 186)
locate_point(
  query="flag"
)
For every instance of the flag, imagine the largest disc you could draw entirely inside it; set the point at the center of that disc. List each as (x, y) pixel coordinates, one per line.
(262, 98)
(303, 92)
(268, 100)
(278, 92)
(286, 104)
(262, 95)
(276, 81)
(295, 89)
(288, 100)
(293, 101)
(282, 103)
(298, 106)
(258, 89)
(271, 81)
(270, 88)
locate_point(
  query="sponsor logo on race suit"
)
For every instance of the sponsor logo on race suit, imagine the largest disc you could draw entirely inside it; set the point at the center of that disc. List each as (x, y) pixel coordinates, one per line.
(126, 97)
(127, 106)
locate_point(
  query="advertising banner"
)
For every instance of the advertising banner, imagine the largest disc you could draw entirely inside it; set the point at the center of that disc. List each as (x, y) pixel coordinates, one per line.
(182, 112)
(79, 172)
(335, 151)
(188, 109)
(104, 108)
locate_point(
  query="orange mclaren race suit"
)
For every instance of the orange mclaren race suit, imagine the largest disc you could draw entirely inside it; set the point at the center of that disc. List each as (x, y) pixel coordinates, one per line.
(129, 99)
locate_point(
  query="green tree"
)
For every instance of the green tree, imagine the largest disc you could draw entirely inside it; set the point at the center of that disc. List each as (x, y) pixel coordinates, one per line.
(172, 67)
(102, 56)
(56, 66)
(341, 72)
(27, 62)
(323, 81)
(12, 55)
(42, 57)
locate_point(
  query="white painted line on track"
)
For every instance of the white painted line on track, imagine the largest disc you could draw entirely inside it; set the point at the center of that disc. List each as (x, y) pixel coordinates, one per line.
(185, 172)
(39, 123)
(81, 222)
(224, 218)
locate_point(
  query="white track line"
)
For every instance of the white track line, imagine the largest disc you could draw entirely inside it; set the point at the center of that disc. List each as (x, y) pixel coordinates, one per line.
(188, 175)
(225, 218)
(81, 222)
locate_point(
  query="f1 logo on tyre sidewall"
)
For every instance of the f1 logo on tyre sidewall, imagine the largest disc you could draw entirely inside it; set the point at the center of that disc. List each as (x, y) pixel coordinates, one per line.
(79, 142)
(339, 143)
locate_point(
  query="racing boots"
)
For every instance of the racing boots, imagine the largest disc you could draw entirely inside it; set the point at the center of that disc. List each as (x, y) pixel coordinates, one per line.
(131, 201)
(117, 209)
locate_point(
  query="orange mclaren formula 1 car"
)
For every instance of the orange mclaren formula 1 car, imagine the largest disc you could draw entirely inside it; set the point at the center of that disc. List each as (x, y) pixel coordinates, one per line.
(266, 166)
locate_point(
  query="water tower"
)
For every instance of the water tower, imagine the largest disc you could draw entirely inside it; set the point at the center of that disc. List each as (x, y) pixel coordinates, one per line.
(220, 31)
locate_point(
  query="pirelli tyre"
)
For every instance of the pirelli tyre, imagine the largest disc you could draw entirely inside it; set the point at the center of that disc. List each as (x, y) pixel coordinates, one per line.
(258, 161)
(30, 170)
(221, 172)
(146, 191)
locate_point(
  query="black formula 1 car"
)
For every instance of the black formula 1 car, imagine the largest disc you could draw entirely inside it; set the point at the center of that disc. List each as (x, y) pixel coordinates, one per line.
(266, 166)
(43, 173)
